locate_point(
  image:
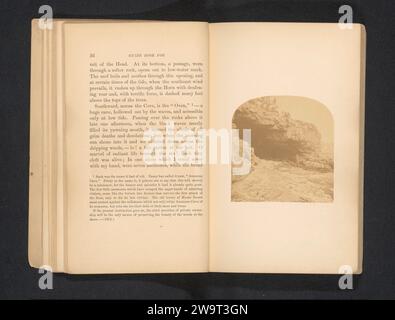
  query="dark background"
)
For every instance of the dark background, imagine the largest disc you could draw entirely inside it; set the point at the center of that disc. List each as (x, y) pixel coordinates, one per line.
(18, 280)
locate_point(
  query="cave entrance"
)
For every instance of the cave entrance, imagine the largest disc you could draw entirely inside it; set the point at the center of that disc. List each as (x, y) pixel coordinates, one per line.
(272, 149)
(269, 147)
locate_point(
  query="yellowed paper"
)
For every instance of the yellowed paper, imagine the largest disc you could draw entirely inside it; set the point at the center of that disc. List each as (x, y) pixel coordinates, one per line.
(102, 59)
(288, 230)
(96, 207)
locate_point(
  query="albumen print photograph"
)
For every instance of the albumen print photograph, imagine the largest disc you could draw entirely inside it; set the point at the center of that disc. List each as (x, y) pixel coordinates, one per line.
(170, 150)
(291, 150)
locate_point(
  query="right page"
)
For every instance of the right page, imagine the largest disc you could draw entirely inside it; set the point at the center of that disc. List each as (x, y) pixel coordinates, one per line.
(297, 89)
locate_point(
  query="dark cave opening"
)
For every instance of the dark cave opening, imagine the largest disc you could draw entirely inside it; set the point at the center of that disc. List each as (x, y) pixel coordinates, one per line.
(272, 149)
(271, 145)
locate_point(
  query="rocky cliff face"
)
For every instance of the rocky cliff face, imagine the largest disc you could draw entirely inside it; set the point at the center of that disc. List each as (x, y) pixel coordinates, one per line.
(289, 162)
(276, 136)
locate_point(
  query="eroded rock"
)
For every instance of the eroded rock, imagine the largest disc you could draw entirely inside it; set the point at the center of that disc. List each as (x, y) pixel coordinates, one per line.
(276, 136)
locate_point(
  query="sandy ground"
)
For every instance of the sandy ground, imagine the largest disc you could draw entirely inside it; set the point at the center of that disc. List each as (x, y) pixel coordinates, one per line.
(281, 181)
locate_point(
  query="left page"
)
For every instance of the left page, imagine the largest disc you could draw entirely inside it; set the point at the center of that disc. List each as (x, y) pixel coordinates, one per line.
(128, 85)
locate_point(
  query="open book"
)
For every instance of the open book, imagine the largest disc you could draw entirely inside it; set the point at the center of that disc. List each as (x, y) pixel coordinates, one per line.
(196, 147)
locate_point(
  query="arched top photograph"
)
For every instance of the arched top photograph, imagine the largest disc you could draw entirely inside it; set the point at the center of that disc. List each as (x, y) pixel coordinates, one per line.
(291, 150)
